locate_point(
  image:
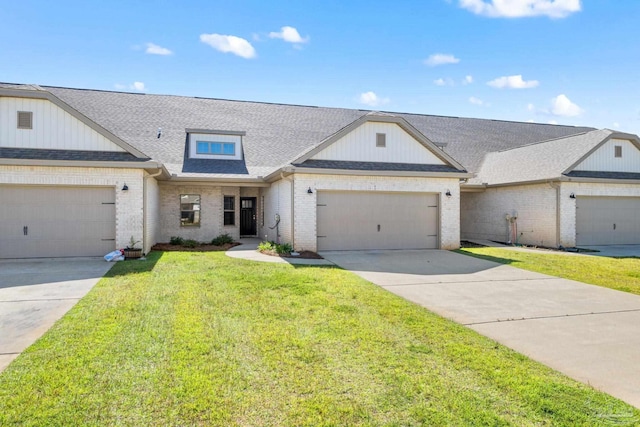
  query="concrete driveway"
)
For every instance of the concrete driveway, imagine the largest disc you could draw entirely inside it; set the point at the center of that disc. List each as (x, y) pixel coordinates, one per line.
(34, 294)
(589, 333)
(625, 251)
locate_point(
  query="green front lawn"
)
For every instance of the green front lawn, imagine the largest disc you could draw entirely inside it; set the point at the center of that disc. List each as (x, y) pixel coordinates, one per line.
(202, 339)
(622, 274)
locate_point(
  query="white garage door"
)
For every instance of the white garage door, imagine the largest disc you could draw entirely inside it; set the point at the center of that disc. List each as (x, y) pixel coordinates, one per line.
(38, 221)
(350, 220)
(607, 221)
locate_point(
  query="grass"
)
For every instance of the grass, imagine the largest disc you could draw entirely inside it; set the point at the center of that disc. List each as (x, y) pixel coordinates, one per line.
(622, 274)
(203, 339)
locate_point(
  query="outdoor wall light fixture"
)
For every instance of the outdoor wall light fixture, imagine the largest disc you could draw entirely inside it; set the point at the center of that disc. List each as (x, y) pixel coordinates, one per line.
(125, 187)
(448, 193)
(572, 196)
(310, 191)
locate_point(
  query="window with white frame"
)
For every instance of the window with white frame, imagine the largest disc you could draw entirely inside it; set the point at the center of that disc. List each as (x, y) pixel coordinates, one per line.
(217, 148)
(189, 210)
(214, 144)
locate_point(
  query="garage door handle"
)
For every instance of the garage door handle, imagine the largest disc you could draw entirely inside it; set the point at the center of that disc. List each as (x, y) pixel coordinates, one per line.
(378, 227)
(25, 230)
(614, 226)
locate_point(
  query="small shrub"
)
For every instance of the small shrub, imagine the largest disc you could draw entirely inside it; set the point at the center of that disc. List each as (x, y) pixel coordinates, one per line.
(266, 246)
(284, 249)
(280, 249)
(175, 240)
(222, 239)
(190, 243)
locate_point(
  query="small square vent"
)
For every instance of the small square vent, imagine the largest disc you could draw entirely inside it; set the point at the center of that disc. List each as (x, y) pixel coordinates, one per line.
(381, 139)
(25, 120)
(618, 150)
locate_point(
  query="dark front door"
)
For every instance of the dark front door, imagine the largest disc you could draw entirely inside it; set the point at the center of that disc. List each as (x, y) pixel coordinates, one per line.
(248, 216)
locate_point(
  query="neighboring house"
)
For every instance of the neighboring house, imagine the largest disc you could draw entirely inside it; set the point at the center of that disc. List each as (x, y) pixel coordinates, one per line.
(83, 171)
(578, 190)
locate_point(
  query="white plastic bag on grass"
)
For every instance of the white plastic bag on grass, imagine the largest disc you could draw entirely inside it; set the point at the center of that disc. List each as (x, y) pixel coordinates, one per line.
(114, 256)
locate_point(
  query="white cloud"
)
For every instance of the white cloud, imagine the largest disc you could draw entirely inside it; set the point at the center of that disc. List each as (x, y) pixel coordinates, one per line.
(616, 125)
(552, 122)
(513, 82)
(288, 34)
(476, 101)
(530, 121)
(467, 80)
(522, 8)
(562, 106)
(444, 82)
(531, 107)
(154, 49)
(440, 59)
(139, 86)
(371, 99)
(229, 44)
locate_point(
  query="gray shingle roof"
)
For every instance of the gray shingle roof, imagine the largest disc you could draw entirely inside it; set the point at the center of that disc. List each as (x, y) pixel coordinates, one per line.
(604, 175)
(276, 133)
(539, 161)
(376, 166)
(78, 155)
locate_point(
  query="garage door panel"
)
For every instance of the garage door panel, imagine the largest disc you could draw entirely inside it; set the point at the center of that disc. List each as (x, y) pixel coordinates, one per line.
(61, 221)
(375, 220)
(607, 220)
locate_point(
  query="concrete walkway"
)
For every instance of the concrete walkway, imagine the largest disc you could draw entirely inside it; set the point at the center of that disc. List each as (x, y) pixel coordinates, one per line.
(248, 250)
(589, 333)
(34, 294)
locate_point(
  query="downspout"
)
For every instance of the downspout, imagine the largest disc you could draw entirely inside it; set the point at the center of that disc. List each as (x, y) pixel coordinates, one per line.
(144, 205)
(557, 188)
(293, 239)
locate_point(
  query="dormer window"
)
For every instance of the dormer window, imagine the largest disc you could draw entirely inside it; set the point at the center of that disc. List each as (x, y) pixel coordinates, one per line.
(381, 140)
(219, 148)
(215, 144)
(618, 151)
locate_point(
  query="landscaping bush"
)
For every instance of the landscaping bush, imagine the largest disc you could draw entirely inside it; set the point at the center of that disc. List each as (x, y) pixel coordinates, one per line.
(279, 248)
(190, 243)
(175, 240)
(223, 239)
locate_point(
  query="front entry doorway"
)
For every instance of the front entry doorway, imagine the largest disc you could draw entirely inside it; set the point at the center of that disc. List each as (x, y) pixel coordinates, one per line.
(248, 225)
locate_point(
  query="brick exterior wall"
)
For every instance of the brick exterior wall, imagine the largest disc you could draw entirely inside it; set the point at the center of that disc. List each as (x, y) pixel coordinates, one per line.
(211, 212)
(483, 214)
(277, 200)
(568, 205)
(151, 212)
(129, 204)
(305, 203)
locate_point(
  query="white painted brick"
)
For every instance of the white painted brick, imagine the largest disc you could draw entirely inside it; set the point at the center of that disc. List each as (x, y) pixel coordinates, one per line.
(483, 214)
(151, 212)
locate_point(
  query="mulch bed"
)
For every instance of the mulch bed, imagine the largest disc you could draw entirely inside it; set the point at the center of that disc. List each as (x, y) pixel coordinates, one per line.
(465, 244)
(199, 248)
(303, 254)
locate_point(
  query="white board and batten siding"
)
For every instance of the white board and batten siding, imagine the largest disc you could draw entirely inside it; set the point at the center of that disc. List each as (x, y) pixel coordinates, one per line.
(604, 160)
(359, 145)
(53, 128)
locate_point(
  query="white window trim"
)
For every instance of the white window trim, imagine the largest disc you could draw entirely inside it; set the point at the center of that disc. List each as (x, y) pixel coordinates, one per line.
(220, 138)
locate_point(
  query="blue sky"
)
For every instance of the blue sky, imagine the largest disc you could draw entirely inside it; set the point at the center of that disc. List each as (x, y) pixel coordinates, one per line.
(549, 61)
